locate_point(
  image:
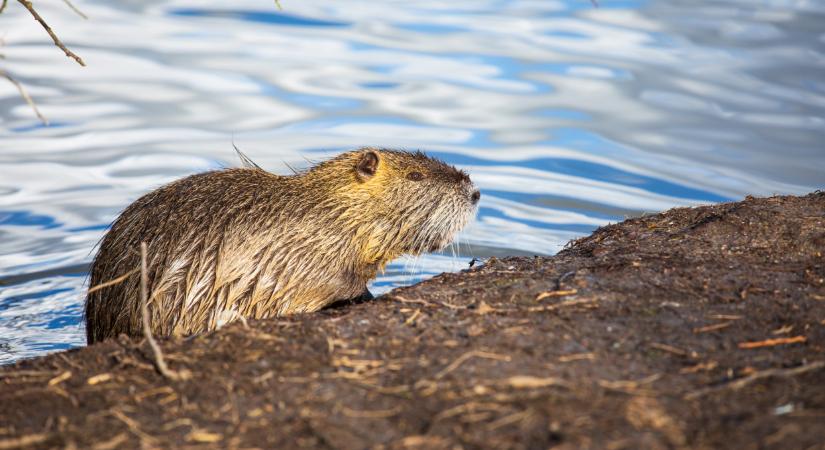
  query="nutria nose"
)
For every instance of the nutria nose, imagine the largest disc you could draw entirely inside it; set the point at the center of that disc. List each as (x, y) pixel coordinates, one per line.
(475, 196)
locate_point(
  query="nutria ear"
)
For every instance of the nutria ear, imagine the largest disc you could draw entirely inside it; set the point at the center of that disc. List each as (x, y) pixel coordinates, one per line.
(367, 165)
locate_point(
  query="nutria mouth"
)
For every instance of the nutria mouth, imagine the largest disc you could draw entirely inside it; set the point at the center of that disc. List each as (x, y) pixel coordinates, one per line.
(247, 243)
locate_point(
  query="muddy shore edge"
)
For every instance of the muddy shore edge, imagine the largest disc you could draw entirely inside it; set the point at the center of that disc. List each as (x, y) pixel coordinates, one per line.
(697, 327)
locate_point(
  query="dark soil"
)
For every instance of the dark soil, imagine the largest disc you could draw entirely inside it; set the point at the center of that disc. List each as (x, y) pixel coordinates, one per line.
(699, 327)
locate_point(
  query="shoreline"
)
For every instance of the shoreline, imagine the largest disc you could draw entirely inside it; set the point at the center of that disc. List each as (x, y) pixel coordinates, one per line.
(696, 327)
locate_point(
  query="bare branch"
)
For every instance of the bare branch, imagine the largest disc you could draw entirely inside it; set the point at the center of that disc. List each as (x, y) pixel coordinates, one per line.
(25, 95)
(74, 8)
(28, 5)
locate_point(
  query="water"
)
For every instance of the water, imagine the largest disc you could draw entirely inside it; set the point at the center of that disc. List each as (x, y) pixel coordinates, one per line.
(567, 117)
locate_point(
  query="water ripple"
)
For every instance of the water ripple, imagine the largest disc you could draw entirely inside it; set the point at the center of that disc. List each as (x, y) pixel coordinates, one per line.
(567, 117)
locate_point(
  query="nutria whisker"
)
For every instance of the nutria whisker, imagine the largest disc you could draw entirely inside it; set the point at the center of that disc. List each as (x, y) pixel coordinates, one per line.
(246, 161)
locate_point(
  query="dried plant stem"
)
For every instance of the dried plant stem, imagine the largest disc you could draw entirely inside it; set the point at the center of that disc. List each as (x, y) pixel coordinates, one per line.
(773, 342)
(25, 95)
(24, 441)
(28, 5)
(117, 280)
(471, 354)
(74, 8)
(147, 327)
(762, 374)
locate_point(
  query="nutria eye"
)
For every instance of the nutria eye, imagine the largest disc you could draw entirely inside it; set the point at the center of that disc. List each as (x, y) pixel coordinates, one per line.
(415, 176)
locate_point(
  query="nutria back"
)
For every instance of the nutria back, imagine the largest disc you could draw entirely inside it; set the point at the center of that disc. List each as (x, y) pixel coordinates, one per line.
(247, 243)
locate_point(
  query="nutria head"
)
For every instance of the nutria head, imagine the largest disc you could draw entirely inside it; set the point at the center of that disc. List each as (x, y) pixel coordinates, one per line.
(247, 243)
(407, 203)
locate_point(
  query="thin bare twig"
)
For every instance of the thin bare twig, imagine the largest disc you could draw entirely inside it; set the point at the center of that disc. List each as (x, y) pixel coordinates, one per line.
(74, 8)
(147, 327)
(471, 354)
(768, 373)
(134, 427)
(112, 282)
(24, 441)
(557, 293)
(3, 6)
(773, 342)
(25, 95)
(28, 5)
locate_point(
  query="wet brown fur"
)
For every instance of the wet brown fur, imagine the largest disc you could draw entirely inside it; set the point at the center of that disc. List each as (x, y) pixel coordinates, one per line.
(245, 242)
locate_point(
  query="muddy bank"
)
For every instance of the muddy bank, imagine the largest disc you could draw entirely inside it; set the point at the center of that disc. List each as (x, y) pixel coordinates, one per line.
(700, 327)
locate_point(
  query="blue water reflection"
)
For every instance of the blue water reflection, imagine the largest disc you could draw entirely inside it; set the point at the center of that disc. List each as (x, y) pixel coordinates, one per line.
(568, 117)
(268, 17)
(28, 219)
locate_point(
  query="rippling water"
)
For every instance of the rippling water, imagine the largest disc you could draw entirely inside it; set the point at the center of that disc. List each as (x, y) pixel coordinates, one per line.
(568, 117)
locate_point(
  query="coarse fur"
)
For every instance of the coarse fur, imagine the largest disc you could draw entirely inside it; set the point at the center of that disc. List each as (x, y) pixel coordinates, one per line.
(247, 243)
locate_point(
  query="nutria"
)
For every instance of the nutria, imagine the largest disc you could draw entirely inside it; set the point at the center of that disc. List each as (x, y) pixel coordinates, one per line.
(243, 242)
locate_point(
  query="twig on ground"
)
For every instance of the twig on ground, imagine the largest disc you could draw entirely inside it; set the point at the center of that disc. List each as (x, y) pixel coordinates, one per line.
(24, 441)
(374, 414)
(725, 316)
(558, 293)
(115, 442)
(768, 373)
(710, 365)
(414, 301)
(74, 8)
(630, 386)
(147, 327)
(134, 427)
(25, 95)
(669, 349)
(773, 342)
(714, 327)
(28, 5)
(581, 301)
(509, 419)
(577, 357)
(531, 382)
(99, 378)
(60, 378)
(471, 406)
(26, 374)
(471, 354)
(412, 318)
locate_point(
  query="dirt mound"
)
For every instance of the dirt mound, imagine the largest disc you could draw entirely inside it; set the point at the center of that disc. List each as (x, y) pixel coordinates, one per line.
(699, 327)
